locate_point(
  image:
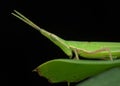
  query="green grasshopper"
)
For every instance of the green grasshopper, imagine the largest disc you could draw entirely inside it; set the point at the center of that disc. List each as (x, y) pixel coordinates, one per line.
(90, 50)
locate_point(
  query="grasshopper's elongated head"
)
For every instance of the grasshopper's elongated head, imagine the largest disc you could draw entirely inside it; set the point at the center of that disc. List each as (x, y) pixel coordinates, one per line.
(55, 39)
(58, 41)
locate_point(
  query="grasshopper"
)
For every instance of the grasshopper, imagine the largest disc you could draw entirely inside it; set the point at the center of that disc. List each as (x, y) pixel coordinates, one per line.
(90, 50)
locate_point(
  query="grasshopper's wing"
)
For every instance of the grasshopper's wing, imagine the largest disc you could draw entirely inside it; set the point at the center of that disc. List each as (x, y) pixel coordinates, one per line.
(55, 39)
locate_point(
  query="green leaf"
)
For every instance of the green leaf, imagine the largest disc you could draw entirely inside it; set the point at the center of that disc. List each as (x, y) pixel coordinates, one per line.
(69, 70)
(108, 78)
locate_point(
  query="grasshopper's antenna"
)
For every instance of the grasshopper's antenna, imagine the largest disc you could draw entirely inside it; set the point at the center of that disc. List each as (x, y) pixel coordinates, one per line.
(25, 19)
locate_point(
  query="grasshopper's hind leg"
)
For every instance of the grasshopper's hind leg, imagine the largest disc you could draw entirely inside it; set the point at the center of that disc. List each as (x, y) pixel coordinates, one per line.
(101, 50)
(107, 49)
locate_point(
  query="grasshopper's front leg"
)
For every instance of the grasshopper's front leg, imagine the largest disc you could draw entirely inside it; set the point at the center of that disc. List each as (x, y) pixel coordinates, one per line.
(75, 52)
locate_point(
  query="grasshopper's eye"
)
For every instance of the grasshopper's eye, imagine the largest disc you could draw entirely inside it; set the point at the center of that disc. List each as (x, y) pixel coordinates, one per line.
(54, 37)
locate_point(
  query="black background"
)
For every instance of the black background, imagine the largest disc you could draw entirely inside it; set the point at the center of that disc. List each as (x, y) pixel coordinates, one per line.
(23, 48)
